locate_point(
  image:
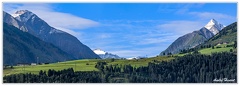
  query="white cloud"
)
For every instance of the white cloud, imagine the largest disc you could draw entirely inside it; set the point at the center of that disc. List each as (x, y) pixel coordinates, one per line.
(181, 27)
(74, 33)
(63, 21)
(221, 18)
(66, 20)
(157, 40)
(179, 8)
(210, 15)
(184, 8)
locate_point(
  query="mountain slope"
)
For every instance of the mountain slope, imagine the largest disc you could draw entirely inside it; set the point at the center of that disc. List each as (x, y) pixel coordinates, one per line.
(224, 41)
(32, 24)
(7, 18)
(22, 47)
(195, 38)
(227, 35)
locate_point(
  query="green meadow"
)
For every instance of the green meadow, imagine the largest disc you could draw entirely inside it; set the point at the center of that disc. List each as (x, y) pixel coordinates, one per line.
(81, 65)
(209, 51)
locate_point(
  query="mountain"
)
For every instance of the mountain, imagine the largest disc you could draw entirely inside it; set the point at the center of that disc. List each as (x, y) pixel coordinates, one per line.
(226, 35)
(31, 23)
(105, 55)
(214, 26)
(195, 38)
(7, 18)
(22, 47)
(137, 57)
(224, 41)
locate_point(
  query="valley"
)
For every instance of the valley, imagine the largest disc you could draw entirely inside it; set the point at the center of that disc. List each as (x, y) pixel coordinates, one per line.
(128, 46)
(89, 64)
(81, 65)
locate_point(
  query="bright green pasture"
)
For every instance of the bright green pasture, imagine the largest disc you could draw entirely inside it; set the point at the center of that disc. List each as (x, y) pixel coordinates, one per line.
(81, 65)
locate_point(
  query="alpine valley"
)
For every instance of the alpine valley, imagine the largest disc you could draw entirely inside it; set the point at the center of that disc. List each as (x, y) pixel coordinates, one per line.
(35, 52)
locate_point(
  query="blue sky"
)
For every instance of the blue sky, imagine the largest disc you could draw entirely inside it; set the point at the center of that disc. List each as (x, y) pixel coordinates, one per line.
(129, 29)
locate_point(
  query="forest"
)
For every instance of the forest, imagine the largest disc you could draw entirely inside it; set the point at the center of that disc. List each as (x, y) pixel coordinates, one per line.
(191, 68)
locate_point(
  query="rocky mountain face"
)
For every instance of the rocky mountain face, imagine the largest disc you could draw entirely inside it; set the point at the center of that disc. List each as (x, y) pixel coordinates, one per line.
(7, 18)
(31, 23)
(195, 38)
(22, 47)
(105, 55)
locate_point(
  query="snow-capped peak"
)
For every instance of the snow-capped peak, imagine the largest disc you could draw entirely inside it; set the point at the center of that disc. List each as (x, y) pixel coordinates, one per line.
(20, 12)
(26, 15)
(211, 23)
(214, 26)
(105, 55)
(16, 15)
(99, 51)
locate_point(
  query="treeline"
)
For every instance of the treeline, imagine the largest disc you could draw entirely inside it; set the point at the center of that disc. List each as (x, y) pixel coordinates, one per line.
(53, 76)
(191, 68)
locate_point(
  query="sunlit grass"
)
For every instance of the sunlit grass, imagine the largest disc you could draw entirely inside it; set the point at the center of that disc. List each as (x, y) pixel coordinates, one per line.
(81, 65)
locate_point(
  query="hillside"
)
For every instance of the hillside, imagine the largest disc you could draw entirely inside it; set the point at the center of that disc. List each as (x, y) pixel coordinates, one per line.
(227, 35)
(22, 47)
(31, 23)
(187, 41)
(225, 40)
(194, 38)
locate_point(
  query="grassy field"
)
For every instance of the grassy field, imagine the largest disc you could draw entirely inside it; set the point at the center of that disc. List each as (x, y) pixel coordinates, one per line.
(81, 65)
(209, 51)
(223, 48)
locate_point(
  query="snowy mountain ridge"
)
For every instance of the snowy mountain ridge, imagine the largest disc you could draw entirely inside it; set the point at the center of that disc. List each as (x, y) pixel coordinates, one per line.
(99, 51)
(214, 26)
(105, 55)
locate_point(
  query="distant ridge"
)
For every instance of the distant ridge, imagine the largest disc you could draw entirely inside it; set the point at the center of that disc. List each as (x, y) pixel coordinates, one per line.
(105, 55)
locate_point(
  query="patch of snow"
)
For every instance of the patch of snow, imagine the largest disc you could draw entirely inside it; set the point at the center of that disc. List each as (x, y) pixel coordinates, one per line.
(214, 26)
(26, 15)
(99, 51)
(15, 15)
